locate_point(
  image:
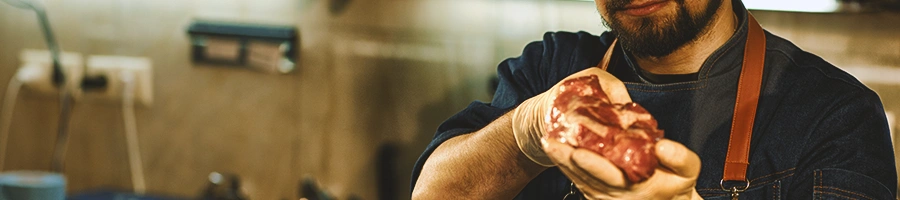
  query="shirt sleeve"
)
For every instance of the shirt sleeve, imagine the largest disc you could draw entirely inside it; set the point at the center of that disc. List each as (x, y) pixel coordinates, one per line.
(850, 155)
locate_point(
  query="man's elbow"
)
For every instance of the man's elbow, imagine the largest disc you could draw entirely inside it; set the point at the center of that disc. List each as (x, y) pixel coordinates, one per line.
(423, 183)
(434, 185)
(419, 193)
(422, 191)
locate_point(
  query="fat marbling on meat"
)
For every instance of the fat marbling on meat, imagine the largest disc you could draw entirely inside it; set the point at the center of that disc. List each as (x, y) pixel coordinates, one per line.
(625, 133)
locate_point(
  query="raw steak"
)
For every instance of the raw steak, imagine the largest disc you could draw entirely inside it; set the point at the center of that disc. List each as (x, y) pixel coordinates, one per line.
(583, 116)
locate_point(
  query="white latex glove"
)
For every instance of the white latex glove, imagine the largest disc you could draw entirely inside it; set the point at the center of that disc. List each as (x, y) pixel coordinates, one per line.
(598, 178)
(530, 117)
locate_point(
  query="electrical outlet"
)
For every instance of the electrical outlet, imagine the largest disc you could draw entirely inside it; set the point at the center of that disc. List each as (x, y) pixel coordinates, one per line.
(36, 72)
(115, 68)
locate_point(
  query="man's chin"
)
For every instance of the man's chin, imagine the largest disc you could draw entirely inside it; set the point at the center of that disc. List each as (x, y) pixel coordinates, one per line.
(641, 27)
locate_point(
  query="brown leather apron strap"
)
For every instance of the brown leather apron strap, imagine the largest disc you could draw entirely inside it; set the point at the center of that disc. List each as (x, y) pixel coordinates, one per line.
(749, 86)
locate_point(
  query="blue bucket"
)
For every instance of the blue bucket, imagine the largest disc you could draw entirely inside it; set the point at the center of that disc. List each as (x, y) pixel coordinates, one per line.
(32, 185)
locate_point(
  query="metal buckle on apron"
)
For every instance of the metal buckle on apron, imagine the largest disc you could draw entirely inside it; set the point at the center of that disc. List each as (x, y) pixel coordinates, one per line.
(735, 191)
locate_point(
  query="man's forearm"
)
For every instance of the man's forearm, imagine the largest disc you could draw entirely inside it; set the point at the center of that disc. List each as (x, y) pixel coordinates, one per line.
(484, 164)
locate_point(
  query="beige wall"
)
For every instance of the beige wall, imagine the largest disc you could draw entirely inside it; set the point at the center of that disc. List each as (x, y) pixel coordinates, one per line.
(382, 72)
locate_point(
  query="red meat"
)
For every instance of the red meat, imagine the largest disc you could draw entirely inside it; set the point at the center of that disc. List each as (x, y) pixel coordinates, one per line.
(583, 116)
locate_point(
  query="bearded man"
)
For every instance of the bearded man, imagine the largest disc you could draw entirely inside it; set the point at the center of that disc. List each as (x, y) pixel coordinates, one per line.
(746, 114)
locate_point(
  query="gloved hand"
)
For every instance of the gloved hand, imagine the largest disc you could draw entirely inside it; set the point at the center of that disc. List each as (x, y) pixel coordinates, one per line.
(594, 175)
(530, 117)
(598, 178)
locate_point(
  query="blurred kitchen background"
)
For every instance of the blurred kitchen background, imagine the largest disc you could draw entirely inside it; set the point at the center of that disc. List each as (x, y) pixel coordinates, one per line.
(372, 81)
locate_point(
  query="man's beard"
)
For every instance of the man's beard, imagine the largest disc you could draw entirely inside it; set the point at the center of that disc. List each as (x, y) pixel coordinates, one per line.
(664, 36)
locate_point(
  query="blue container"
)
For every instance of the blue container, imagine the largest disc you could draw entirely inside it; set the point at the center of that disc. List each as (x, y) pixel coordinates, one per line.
(32, 185)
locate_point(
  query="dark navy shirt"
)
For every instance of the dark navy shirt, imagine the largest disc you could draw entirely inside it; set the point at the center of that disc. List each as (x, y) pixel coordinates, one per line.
(818, 133)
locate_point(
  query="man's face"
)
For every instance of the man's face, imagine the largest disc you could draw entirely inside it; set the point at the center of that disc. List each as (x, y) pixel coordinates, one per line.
(656, 28)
